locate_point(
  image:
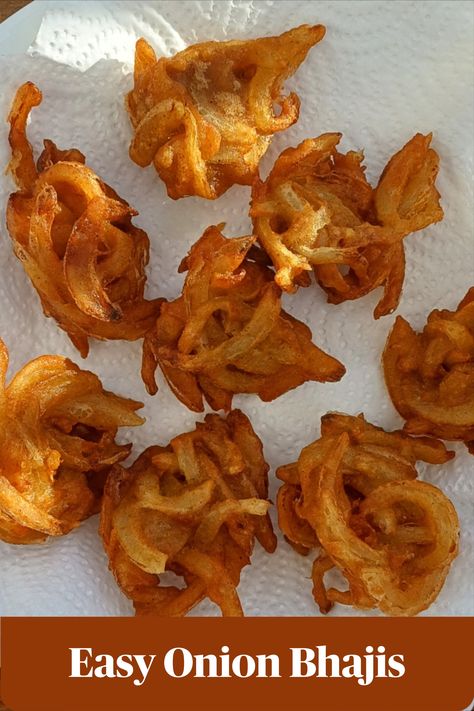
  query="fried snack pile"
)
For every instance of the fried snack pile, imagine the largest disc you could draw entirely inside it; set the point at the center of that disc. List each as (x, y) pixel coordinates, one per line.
(228, 334)
(316, 210)
(193, 508)
(57, 444)
(355, 494)
(75, 239)
(206, 116)
(430, 375)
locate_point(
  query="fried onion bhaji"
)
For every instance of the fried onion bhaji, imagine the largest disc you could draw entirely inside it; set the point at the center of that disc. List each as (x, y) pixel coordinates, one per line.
(57, 443)
(354, 494)
(206, 116)
(430, 375)
(193, 508)
(75, 238)
(227, 332)
(317, 211)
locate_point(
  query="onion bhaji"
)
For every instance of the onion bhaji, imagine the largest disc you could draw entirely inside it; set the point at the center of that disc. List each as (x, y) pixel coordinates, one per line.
(227, 332)
(316, 210)
(57, 442)
(430, 375)
(193, 508)
(206, 116)
(354, 494)
(76, 240)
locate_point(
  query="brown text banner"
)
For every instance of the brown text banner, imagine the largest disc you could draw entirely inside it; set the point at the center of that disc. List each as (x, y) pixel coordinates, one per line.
(252, 664)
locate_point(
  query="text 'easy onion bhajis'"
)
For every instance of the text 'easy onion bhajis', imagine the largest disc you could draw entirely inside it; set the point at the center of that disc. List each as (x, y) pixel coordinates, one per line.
(57, 443)
(354, 494)
(430, 375)
(206, 116)
(317, 211)
(193, 508)
(75, 239)
(228, 334)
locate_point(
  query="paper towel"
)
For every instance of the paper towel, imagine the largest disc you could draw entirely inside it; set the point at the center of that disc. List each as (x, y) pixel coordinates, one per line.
(383, 72)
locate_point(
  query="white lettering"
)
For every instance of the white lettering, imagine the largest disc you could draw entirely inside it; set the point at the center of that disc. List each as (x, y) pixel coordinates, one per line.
(77, 661)
(107, 666)
(124, 666)
(143, 666)
(187, 661)
(211, 667)
(249, 666)
(354, 668)
(225, 664)
(396, 666)
(323, 659)
(262, 660)
(302, 656)
(107, 669)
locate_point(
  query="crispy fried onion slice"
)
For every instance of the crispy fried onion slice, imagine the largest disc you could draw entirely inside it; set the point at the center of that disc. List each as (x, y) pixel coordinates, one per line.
(430, 375)
(354, 493)
(317, 211)
(206, 116)
(57, 442)
(228, 334)
(75, 238)
(193, 508)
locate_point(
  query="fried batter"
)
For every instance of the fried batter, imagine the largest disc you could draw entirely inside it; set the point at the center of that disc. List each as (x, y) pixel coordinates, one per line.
(206, 116)
(430, 375)
(354, 494)
(57, 442)
(228, 334)
(317, 211)
(75, 238)
(193, 508)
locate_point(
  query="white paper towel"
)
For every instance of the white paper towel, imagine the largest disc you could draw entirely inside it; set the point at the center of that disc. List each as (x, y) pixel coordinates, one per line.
(383, 72)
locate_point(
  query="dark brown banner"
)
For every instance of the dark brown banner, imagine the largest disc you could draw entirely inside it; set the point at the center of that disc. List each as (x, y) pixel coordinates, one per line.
(254, 664)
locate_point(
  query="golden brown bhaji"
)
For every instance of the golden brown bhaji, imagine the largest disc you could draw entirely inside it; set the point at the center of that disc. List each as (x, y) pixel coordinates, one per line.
(57, 442)
(75, 238)
(430, 375)
(193, 508)
(228, 334)
(354, 494)
(317, 211)
(206, 116)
